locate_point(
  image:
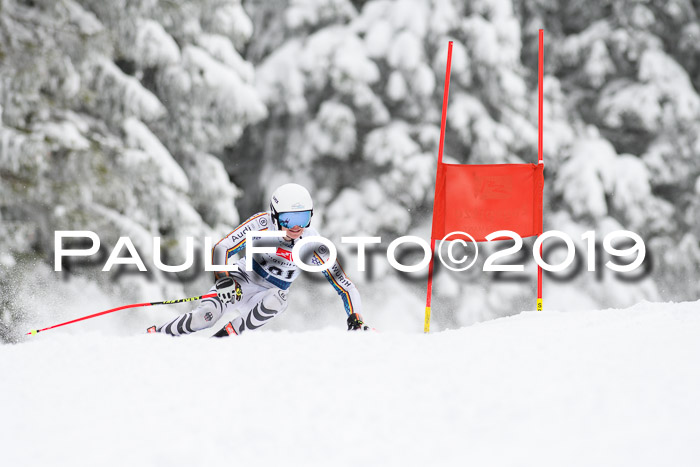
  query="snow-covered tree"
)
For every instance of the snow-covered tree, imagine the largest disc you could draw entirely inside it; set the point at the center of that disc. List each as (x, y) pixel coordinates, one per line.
(113, 114)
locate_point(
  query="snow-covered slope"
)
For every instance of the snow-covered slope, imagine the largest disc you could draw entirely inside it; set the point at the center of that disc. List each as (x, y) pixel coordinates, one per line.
(611, 387)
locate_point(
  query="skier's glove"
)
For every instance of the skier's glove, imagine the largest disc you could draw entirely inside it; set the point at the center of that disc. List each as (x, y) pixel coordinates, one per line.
(226, 289)
(355, 323)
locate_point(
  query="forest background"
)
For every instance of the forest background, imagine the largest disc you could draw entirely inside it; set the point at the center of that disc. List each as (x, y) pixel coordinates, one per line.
(178, 118)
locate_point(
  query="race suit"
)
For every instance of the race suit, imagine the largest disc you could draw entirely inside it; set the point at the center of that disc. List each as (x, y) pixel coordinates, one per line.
(261, 294)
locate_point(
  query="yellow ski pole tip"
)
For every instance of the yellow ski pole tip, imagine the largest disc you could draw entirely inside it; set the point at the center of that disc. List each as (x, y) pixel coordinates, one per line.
(33, 331)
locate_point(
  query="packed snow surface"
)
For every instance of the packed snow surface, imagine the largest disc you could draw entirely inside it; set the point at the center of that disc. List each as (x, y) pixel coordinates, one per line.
(610, 387)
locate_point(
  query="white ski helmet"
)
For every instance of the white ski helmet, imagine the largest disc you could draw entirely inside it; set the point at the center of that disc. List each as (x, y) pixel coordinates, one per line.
(291, 205)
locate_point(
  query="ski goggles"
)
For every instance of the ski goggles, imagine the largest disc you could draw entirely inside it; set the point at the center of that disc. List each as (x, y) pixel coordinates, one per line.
(290, 220)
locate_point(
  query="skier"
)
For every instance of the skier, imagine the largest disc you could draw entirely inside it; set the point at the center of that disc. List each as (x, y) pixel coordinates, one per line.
(261, 294)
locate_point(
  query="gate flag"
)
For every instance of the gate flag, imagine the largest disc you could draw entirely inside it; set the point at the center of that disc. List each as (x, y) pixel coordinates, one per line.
(481, 199)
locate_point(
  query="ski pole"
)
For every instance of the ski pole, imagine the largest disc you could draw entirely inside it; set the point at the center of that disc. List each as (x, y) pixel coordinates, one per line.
(135, 305)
